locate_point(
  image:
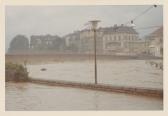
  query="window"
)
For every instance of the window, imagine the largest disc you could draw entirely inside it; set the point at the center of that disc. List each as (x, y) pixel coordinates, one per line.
(129, 38)
(114, 38)
(119, 37)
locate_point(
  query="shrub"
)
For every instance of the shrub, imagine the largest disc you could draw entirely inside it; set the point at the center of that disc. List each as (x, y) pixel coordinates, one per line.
(15, 72)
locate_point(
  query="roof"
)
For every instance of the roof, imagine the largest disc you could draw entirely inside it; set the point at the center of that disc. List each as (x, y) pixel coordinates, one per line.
(157, 32)
(108, 30)
(75, 33)
(119, 29)
(44, 37)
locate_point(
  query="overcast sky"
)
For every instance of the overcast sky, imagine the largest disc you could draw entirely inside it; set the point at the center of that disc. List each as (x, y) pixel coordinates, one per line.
(61, 20)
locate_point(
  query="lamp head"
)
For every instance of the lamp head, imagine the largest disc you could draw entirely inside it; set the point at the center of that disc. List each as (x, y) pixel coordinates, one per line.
(94, 23)
(132, 24)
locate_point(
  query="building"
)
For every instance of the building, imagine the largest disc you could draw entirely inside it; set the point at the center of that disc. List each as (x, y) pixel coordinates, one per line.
(120, 40)
(87, 41)
(46, 43)
(109, 40)
(72, 42)
(83, 41)
(156, 42)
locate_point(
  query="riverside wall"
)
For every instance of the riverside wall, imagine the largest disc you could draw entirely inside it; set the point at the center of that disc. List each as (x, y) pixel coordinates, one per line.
(102, 87)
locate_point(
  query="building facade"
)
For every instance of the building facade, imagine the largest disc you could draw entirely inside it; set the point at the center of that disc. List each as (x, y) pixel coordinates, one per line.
(46, 43)
(115, 40)
(111, 40)
(72, 42)
(156, 42)
(87, 41)
(119, 40)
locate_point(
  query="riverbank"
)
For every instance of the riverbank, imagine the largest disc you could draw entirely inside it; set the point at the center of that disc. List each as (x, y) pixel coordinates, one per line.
(102, 87)
(156, 63)
(41, 58)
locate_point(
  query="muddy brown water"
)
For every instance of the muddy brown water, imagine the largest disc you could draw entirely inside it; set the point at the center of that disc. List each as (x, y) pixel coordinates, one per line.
(134, 73)
(28, 97)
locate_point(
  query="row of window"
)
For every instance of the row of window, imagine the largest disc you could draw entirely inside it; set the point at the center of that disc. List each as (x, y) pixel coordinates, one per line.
(90, 34)
(38, 41)
(118, 38)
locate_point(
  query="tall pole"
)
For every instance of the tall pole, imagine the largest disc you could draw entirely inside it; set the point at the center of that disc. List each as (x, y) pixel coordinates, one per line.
(95, 55)
(94, 26)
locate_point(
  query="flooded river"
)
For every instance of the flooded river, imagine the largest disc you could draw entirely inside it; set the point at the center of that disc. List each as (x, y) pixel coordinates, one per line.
(29, 96)
(135, 73)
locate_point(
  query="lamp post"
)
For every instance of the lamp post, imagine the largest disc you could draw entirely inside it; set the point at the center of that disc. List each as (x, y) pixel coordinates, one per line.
(94, 24)
(132, 25)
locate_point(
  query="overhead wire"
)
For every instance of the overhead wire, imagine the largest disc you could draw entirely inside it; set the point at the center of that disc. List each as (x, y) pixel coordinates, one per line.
(149, 27)
(141, 14)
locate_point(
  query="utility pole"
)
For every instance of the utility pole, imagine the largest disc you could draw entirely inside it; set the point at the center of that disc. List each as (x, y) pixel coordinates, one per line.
(94, 24)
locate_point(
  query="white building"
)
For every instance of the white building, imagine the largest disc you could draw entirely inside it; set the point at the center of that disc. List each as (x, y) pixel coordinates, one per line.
(72, 41)
(87, 41)
(119, 40)
(109, 40)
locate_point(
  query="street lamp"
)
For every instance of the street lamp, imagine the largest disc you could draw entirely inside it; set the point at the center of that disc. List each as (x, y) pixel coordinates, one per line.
(94, 24)
(132, 24)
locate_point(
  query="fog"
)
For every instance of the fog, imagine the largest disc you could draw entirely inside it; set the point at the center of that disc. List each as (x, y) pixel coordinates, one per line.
(61, 20)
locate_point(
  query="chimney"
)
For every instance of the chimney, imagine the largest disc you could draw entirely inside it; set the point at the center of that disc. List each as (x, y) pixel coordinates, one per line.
(115, 25)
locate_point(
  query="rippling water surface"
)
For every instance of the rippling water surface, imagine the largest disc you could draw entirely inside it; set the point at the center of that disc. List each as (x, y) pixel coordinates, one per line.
(135, 73)
(29, 96)
(119, 72)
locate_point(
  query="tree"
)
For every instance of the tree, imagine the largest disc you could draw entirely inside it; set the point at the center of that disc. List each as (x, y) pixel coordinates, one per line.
(20, 43)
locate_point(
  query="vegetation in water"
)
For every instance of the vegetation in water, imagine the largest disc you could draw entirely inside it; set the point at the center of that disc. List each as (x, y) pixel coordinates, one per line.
(15, 72)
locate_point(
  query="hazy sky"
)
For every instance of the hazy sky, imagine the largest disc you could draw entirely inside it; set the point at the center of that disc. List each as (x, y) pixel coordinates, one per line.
(61, 20)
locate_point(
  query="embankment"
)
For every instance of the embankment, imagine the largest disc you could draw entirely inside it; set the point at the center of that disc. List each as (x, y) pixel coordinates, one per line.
(40, 58)
(102, 87)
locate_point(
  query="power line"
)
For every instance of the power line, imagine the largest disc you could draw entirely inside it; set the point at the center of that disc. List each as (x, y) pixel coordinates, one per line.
(145, 11)
(141, 14)
(150, 27)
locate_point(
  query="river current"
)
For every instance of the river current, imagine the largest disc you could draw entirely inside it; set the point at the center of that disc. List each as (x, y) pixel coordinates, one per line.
(134, 73)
